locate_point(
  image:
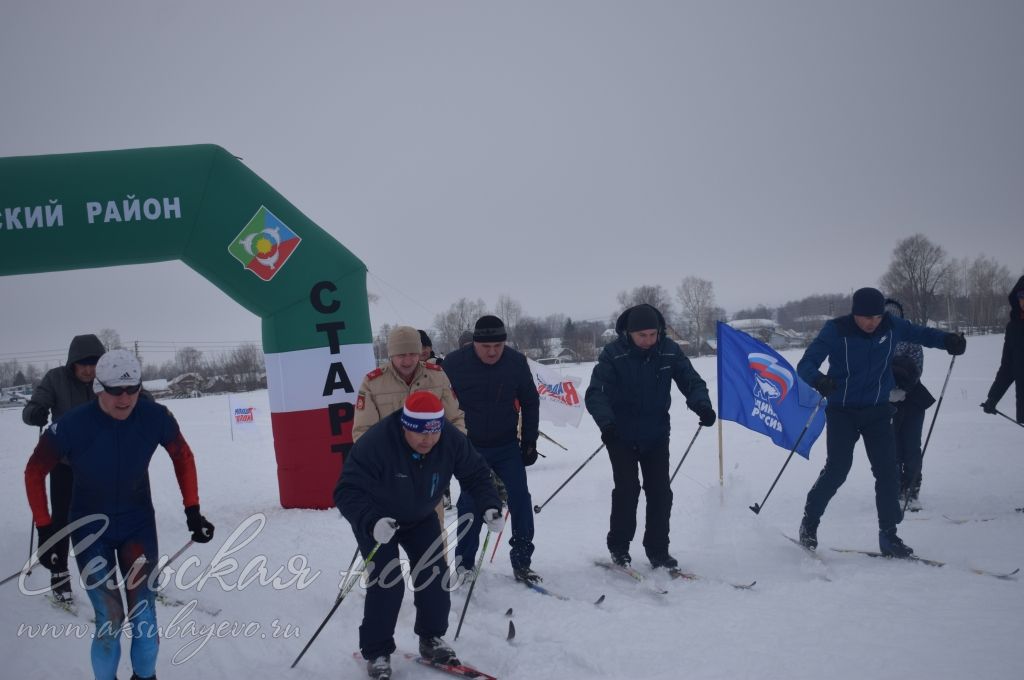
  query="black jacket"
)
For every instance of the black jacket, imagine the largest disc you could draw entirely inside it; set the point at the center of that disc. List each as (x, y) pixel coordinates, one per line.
(60, 391)
(488, 395)
(384, 477)
(631, 389)
(1011, 367)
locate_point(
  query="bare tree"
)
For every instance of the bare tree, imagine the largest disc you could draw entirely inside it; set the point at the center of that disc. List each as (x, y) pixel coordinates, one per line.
(917, 269)
(696, 298)
(246, 363)
(509, 311)
(110, 338)
(8, 369)
(380, 343)
(188, 360)
(987, 283)
(656, 296)
(461, 316)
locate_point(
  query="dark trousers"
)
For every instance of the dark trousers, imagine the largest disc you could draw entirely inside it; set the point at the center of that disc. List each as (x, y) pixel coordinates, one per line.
(423, 546)
(652, 461)
(507, 463)
(61, 480)
(845, 427)
(907, 425)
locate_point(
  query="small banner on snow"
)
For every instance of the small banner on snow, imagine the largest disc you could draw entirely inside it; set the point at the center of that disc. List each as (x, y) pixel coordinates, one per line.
(560, 402)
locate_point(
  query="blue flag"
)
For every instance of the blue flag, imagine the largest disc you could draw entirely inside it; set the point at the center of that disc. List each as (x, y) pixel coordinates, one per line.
(758, 389)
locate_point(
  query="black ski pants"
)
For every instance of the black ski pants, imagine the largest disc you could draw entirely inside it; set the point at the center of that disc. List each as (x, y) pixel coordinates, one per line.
(844, 427)
(429, 578)
(61, 481)
(652, 460)
(907, 425)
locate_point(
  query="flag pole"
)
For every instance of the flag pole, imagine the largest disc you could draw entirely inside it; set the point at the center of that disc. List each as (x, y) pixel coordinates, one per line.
(721, 462)
(756, 507)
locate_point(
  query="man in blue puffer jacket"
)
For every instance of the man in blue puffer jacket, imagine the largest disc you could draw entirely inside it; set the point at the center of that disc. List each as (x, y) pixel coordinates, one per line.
(860, 348)
(629, 396)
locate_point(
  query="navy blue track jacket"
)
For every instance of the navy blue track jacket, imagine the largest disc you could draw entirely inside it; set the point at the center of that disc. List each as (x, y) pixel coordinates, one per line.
(861, 364)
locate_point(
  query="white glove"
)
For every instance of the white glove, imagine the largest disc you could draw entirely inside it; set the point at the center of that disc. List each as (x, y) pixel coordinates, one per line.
(384, 529)
(493, 519)
(897, 394)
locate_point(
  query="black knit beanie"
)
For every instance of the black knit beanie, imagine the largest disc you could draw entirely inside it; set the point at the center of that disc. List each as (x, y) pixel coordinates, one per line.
(489, 328)
(642, 318)
(868, 302)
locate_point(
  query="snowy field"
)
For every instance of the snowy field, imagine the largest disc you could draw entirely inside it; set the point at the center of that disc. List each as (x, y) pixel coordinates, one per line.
(849, 617)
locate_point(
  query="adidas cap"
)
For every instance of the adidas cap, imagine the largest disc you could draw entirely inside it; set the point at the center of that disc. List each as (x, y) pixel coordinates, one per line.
(117, 368)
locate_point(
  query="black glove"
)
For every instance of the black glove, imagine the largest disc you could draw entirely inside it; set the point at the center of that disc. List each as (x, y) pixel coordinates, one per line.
(202, 530)
(955, 343)
(48, 557)
(609, 434)
(706, 413)
(39, 417)
(825, 386)
(529, 450)
(989, 407)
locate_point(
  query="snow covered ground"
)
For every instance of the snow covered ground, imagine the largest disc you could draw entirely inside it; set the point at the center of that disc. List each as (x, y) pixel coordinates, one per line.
(871, 618)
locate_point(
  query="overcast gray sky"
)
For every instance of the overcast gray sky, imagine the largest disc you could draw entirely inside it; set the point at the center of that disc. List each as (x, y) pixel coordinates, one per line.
(558, 152)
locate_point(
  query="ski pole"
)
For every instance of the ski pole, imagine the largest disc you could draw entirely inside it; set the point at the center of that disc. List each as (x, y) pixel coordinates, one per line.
(551, 440)
(31, 530)
(31, 536)
(538, 508)
(347, 586)
(1008, 418)
(476, 575)
(178, 554)
(497, 541)
(756, 507)
(938, 405)
(23, 570)
(699, 428)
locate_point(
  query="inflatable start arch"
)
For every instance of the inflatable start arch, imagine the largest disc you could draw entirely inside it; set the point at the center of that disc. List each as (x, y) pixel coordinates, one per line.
(201, 205)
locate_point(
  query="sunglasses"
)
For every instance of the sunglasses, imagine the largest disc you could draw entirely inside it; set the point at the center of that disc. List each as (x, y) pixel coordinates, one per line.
(118, 391)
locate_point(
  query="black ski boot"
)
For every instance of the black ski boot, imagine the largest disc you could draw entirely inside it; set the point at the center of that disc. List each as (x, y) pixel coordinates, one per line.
(621, 559)
(663, 560)
(136, 676)
(890, 545)
(526, 575)
(379, 668)
(809, 533)
(437, 650)
(60, 587)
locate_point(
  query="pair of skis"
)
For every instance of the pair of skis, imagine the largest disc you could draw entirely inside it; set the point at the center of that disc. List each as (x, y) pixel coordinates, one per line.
(461, 670)
(1004, 576)
(674, 573)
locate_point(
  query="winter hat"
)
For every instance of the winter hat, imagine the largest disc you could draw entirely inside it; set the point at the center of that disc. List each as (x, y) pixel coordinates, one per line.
(425, 339)
(466, 338)
(489, 328)
(894, 307)
(117, 368)
(868, 302)
(404, 340)
(642, 318)
(422, 412)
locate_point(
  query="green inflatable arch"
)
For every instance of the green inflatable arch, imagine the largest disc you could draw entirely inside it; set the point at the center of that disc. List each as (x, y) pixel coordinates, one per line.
(201, 205)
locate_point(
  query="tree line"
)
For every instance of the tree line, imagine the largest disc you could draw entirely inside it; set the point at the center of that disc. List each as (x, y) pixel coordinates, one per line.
(955, 293)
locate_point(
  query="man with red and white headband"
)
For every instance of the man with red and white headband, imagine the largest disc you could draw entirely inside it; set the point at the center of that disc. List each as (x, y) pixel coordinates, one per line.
(391, 482)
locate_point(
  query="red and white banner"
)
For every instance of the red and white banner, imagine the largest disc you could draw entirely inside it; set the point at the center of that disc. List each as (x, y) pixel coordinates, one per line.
(561, 403)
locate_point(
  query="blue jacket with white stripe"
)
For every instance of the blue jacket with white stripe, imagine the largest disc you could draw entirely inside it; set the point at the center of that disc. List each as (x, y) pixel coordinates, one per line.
(861, 363)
